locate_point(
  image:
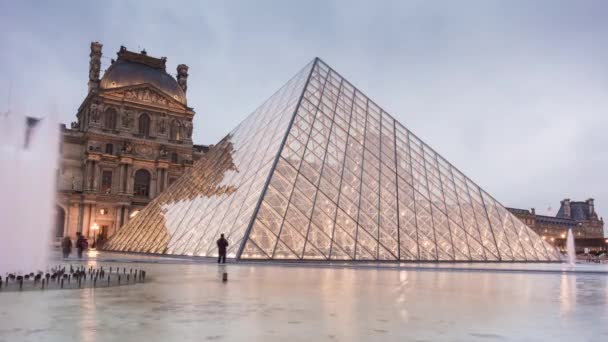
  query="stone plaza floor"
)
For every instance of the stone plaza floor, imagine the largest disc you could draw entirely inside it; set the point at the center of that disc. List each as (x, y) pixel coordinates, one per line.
(185, 300)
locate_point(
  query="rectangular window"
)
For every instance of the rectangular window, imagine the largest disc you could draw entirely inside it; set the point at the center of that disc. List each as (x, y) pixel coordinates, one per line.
(106, 181)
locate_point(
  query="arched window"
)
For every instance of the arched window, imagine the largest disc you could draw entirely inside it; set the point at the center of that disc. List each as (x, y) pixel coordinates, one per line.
(109, 120)
(141, 185)
(175, 131)
(109, 149)
(144, 124)
(174, 157)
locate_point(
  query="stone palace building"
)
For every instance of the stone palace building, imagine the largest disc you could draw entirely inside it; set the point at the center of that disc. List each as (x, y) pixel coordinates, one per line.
(131, 140)
(587, 227)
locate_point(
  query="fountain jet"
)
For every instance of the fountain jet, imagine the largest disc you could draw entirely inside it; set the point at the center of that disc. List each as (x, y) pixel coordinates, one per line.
(570, 248)
(28, 164)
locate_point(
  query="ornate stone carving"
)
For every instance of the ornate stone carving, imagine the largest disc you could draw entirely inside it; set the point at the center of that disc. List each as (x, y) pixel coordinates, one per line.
(145, 95)
(127, 148)
(74, 125)
(182, 76)
(162, 152)
(161, 126)
(94, 65)
(95, 111)
(144, 151)
(127, 118)
(188, 129)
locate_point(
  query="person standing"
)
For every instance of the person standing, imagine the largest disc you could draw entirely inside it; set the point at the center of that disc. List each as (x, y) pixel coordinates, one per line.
(81, 244)
(222, 243)
(66, 247)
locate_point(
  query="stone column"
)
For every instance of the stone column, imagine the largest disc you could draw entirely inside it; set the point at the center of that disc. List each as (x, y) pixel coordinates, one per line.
(96, 175)
(121, 177)
(126, 186)
(80, 217)
(87, 175)
(166, 179)
(129, 180)
(161, 178)
(152, 192)
(116, 219)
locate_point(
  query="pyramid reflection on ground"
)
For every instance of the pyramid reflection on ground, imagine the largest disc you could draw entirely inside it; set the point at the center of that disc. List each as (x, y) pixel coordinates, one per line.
(320, 172)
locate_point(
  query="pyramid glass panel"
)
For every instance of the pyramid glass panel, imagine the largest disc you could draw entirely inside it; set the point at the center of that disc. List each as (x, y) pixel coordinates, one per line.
(321, 172)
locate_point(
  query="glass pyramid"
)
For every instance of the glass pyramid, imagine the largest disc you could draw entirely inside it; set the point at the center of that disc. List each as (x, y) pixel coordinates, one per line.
(320, 172)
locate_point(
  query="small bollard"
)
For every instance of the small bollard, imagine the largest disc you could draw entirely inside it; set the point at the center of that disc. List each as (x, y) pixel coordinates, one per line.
(225, 277)
(42, 288)
(108, 280)
(20, 284)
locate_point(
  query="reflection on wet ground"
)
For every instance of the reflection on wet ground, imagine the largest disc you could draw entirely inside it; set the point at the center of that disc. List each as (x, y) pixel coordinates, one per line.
(189, 302)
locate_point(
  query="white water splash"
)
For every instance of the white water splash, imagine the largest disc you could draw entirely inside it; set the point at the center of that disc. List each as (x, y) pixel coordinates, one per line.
(27, 192)
(570, 248)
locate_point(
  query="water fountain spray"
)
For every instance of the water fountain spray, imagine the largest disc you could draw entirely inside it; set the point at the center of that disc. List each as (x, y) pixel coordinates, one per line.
(570, 249)
(27, 192)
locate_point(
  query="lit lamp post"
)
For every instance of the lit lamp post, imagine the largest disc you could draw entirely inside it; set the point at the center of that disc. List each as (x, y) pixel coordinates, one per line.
(95, 229)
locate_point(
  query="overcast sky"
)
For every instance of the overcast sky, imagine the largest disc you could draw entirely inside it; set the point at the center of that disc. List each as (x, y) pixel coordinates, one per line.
(514, 93)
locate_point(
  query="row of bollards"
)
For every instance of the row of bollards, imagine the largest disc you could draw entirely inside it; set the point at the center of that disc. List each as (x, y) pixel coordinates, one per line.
(79, 277)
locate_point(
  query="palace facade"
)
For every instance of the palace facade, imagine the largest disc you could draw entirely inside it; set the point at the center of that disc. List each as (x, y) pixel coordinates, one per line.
(580, 216)
(131, 140)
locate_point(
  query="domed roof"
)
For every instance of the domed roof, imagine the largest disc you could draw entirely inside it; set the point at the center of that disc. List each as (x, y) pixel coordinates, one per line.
(134, 69)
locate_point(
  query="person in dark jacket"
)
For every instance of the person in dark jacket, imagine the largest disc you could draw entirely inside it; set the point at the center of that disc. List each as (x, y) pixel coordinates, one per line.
(81, 244)
(66, 247)
(222, 243)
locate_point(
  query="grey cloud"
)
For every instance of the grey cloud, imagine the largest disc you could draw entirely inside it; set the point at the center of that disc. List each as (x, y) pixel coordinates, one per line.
(513, 93)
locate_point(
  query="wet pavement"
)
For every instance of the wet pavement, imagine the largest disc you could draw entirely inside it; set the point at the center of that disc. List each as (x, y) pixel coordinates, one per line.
(186, 300)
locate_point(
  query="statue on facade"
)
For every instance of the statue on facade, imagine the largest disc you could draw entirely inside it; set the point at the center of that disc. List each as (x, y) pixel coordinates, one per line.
(127, 118)
(74, 125)
(94, 66)
(162, 126)
(182, 76)
(163, 153)
(94, 111)
(188, 129)
(127, 147)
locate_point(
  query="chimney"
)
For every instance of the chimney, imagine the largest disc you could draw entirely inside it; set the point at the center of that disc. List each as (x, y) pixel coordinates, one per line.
(182, 76)
(590, 206)
(566, 206)
(94, 66)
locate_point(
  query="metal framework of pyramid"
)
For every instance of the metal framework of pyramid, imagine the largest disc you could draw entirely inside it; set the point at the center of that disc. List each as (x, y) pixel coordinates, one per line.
(320, 172)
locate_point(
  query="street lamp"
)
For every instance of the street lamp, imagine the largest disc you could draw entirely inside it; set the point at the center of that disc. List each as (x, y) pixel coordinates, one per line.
(95, 229)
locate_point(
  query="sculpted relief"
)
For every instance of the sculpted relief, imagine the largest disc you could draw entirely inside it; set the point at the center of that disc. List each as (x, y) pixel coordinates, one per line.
(95, 110)
(144, 151)
(188, 129)
(161, 126)
(127, 118)
(145, 95)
